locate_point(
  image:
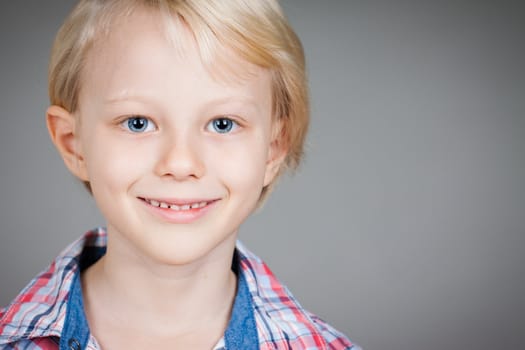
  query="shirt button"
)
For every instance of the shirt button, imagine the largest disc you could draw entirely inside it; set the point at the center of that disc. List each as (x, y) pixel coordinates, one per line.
(74, 344)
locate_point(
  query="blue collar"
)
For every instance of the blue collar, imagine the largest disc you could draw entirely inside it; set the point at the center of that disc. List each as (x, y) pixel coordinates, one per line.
(241, 332)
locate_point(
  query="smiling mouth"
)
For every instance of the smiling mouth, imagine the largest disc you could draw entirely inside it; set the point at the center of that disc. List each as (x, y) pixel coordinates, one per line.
(177, 207)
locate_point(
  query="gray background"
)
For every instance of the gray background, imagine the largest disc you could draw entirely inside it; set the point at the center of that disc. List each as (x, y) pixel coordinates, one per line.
(405, 227)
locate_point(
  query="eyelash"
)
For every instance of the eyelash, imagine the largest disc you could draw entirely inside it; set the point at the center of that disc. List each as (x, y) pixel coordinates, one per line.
(231, 126)
(129, 122)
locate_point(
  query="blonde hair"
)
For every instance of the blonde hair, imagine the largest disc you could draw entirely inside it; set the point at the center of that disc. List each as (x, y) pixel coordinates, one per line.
(255, 30)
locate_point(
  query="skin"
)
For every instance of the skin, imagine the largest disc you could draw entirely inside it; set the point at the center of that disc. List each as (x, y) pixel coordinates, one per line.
(166, 278)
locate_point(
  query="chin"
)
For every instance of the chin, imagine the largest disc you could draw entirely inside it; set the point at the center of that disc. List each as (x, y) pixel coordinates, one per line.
(188, 252)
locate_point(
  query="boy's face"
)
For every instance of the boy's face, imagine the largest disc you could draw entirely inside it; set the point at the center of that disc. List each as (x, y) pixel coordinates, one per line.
(176, 159)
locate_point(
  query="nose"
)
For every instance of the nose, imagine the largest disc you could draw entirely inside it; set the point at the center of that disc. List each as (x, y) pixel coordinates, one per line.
(180, 159)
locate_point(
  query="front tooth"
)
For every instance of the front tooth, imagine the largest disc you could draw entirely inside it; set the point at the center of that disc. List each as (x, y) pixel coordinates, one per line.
(174, 207)
(185, 207)
(164, 205)
(154, 203)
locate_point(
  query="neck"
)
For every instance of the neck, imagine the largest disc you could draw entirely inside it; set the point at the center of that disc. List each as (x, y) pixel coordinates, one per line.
(163, 299)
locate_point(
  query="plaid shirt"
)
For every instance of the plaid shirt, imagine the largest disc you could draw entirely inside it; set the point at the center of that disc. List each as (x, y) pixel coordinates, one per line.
(36, 318)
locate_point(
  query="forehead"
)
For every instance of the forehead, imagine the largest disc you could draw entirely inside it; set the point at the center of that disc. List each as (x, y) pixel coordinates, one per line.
(147, 48)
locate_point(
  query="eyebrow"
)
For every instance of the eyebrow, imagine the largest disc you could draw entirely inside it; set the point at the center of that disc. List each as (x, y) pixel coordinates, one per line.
(241, 99)
(235, 99)
(125, 96)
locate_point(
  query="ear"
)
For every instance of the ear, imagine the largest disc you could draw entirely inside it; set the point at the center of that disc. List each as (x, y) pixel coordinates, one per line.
(61, 125)
(277, 153)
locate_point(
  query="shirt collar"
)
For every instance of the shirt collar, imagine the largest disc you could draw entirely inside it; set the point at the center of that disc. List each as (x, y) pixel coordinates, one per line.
(51, 305)
(40, 309)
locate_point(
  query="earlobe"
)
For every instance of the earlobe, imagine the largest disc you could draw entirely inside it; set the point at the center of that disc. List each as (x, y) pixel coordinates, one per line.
(62, 130)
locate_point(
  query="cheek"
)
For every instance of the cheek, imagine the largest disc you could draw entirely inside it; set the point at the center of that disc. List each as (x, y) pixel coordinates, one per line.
(241, 166)
(111, 163)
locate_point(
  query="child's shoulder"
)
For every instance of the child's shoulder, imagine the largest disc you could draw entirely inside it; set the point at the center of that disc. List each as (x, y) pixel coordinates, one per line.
(37, 314)
(280, 318)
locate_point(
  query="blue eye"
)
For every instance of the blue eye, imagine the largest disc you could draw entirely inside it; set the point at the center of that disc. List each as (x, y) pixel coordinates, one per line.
(138, 124)
(222, 125)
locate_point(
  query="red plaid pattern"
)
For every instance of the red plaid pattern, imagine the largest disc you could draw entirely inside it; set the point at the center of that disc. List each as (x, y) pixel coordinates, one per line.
(35, 319)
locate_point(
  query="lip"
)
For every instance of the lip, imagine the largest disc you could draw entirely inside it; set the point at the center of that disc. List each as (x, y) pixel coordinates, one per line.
(188, 211)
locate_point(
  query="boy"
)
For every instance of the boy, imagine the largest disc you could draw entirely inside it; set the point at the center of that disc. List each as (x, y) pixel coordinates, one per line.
(178, 116)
